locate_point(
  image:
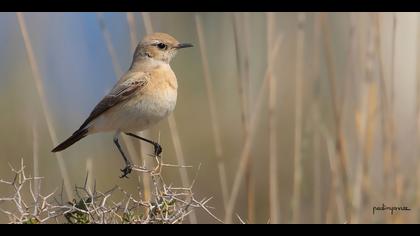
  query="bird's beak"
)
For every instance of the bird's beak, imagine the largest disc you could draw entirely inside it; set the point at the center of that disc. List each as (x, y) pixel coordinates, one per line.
(184, 45)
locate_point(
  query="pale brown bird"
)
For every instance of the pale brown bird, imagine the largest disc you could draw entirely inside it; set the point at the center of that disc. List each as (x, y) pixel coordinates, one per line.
(143, 96)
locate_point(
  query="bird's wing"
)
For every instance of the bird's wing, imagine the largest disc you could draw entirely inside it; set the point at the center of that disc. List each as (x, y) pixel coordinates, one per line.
(121, 92)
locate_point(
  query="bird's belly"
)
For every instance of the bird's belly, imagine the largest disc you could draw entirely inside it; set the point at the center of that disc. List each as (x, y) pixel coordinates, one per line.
(138, 113)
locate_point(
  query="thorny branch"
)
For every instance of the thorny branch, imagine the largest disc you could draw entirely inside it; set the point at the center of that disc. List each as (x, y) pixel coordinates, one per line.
(169, 205)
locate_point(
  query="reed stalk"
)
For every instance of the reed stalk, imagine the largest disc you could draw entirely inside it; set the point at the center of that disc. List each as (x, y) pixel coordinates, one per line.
(243, 90)
(272, 128)
(340, 138)
(371, 123)
(244, 157)
(173, 129)
(417, 150)
(334, 167)
(316, 120)
(390, 182)
(297, 176)
(213, 112)
(147, 21)
(36, 74)
(118, 72)
(35, 156)
(144, 147)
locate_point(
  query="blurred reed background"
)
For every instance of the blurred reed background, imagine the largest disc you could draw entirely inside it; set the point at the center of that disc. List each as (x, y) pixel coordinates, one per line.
(293, 117)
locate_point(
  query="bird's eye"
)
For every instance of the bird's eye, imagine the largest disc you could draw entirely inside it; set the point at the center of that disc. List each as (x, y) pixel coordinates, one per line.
(161, 46)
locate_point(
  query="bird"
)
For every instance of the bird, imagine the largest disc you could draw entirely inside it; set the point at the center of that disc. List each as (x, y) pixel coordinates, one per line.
(143, 96)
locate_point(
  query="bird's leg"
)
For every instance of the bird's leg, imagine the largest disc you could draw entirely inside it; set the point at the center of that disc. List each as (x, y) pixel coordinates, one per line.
(128, 165)
(156, 146)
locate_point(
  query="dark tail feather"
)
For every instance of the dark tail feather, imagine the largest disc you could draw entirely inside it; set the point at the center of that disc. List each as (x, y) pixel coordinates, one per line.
(79, 134)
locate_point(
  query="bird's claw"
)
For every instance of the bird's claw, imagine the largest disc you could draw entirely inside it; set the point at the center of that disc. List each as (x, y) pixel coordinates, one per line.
(158, 149)
(127, 170)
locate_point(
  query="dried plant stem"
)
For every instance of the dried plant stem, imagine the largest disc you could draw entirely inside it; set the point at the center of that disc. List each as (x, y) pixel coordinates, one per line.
(243, 79)
(178, 150)
(109, 46)
(370, 124)
(388, 127)
(272, 127)
(144, 148)
(131, 20)
(365, 124)
(339, 199)
(246, 58)
(330, 207)
(417, 150)
(169, 204)
(394, 35)
(317, 172)
(249, 138)
(394, 158)
(117, 69)
(41, 93)
(316, 120)
(89, 170)
(351, 70)
(181, 160)
(35, 155)
(297, 178)
(340, 139)
(173, 130)
(417, 213)
(213, 112)
(368, 139)
(241, 89)
(250, 176)
(147, 22)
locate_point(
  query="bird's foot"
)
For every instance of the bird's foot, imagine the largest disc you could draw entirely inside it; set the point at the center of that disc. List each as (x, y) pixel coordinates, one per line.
(158, 149)
(127, 170)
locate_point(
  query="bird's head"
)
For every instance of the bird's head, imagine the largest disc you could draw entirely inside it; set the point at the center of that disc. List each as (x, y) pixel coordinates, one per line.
(159, 47)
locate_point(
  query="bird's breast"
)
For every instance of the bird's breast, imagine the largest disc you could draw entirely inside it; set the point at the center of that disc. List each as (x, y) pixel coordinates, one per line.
(158, 103)
(160, 94)
(151, 104)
